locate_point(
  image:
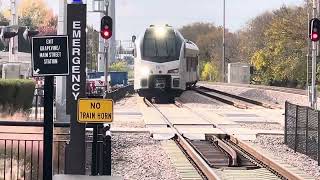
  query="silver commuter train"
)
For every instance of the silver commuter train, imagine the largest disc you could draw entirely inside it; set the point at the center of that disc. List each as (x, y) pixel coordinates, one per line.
(165, 64)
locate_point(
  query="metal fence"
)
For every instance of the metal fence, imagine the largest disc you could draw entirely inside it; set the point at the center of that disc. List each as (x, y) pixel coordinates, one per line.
(21, 153)
(302, 130)
(37, 104)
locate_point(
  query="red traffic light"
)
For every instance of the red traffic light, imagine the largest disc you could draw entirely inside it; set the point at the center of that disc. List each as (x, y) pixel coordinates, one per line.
(314, 36)
(106, 27)
(106, 33)
(314, 29)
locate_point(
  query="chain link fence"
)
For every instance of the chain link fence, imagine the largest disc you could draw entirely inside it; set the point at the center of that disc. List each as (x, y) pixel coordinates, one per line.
(302, 130)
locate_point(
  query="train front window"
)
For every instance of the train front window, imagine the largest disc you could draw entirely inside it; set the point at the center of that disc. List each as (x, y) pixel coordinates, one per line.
(163, 48)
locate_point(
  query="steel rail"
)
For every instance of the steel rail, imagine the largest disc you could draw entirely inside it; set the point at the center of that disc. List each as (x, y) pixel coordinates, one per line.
(226, 148)
(263, 159)
(226, 101)
(202, 165)
(241, 98)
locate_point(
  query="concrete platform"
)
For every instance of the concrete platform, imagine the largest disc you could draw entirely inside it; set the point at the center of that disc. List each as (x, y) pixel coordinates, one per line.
(183, 116)
(161, 133)
(242, 133)
(129, 130)
(198, 133)
(195, 130)
(151, 117)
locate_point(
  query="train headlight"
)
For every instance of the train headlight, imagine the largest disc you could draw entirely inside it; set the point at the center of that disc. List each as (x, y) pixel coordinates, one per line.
(160, 32)
(145, 71)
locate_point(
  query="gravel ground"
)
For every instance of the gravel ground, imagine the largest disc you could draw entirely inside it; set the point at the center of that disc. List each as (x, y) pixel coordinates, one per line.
(192, 98)
(137, 156)
(268, 96)
(263, 126)
(130, 104)
(275, 146)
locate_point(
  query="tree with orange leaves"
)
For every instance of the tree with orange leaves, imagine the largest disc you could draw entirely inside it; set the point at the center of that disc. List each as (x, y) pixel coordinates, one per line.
(36, 14)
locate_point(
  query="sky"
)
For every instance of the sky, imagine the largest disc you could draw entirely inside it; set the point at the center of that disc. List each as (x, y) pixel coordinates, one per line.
(133, 16)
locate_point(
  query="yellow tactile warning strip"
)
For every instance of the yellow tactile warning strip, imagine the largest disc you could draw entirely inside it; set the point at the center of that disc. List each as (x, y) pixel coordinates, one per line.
(180, 162)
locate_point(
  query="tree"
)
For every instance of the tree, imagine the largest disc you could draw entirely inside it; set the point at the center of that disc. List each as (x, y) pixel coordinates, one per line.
(36, 14)
(3, 20)
(209, 72)
(208, 38)
(92, 48)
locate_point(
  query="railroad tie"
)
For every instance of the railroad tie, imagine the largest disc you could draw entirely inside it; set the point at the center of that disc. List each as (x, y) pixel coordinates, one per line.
(180, 162)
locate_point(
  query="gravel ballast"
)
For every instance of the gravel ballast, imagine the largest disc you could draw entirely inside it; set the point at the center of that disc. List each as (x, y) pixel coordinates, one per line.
(195, 99)
(275, 145)
(268, 96)
(137, 156)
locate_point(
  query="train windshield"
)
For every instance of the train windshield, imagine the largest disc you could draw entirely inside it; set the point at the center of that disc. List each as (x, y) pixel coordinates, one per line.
(161, 45)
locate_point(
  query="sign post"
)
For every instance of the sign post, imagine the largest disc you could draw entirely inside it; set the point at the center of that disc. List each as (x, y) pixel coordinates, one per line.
(98, 111)
(49, 57)
(76, 86)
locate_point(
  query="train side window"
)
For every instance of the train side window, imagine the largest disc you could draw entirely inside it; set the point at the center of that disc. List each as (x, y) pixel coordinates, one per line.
(196, 63)
(193, 64)
(189, 60)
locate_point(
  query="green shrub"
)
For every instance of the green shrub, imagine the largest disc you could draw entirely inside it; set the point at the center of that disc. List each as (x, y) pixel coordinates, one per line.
(16, 94)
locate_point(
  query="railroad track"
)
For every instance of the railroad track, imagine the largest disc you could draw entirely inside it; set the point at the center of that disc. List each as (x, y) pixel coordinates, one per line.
(224, 157)
(234, 100)
(272, 88)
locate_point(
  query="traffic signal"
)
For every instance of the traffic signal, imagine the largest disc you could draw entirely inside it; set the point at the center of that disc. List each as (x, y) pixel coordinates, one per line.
(27, 34)
(106, 27)
(314, 29)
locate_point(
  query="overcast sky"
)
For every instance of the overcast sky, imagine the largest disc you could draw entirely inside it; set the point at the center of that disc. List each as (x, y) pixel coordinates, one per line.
(132, 16)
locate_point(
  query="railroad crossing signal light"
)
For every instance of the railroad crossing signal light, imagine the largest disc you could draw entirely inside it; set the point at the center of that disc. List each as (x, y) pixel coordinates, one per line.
(106, 27)
(314, 29)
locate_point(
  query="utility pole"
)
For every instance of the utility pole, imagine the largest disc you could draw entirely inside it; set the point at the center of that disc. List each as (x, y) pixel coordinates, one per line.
(314, 63)
(223, 43)
(308, 56)
(106, 55)
(61, 115)
(13, 45)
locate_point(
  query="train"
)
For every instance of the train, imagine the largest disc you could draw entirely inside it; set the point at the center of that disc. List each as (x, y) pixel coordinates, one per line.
(165, 63)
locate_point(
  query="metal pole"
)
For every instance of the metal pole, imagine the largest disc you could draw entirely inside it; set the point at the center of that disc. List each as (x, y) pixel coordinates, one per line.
(106, 57)
(106, 150)
(94, 158)
(13, 41)
(223, 43)
(308, 52)
(48, 128)
(314, 61)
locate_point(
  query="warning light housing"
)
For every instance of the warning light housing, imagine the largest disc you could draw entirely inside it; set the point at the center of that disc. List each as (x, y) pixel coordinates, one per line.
(106, 27)
(314, 29)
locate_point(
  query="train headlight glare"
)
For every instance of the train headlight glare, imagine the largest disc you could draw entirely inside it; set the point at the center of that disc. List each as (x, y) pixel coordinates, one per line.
(145, 71)
(160, 32)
